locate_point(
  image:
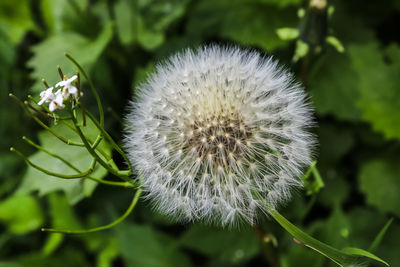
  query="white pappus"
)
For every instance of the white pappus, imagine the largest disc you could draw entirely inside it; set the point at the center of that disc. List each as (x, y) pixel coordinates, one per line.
(219, 133)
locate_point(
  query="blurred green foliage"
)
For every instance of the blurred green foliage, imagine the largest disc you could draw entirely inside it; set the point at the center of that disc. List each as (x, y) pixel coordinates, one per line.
(356, 95)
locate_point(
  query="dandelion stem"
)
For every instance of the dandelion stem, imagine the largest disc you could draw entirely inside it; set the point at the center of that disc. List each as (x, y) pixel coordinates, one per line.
(96, 95)
(91, 230)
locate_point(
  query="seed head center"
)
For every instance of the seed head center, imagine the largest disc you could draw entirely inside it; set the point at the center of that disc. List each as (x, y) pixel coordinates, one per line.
(219, 138)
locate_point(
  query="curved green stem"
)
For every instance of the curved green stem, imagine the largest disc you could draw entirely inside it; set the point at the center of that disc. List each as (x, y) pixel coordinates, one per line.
(63, 176)
(101, 151)
(96, 95)
(111, 140)
(111, 183)
(66, 162)
(117, 221)
(93, 152)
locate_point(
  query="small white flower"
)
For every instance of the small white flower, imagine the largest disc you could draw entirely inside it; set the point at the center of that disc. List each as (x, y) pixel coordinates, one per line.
(67, 87)
(46, 96)
(57, 102)
(218, 134)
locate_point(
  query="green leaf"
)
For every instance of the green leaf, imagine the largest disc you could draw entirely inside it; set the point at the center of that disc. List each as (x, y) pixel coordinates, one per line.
(345, 257)
(62, 216)
(312, 180)
(74, 189)
(287, 33)
(145, 21)
(50, 53)
(126, 21)
(15, 19)
(108, 254)
(228, 245)
(333, 86)
(61, 15)
(378, 239)
(249, 23)
(378, 87)
(379, 181)
(335, 42)
(301, 51)
(21, 213)
(146, 247)
(363, 253)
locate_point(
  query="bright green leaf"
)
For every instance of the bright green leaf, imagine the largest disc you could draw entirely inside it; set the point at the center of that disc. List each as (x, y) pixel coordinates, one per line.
(363, 253)
(335, 42)
(63, 217)
(379, 88)
(74, 189)
(378, 239)
(61, 15)
(145, 21)
(108, 254)
(301, 51)
(50, 53)
(287, 33)
(21, 213)
(249, 23)
(15, 19)
(333, 86)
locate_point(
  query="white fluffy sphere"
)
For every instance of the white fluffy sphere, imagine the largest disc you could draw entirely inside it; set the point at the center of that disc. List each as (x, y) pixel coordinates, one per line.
(219, 133)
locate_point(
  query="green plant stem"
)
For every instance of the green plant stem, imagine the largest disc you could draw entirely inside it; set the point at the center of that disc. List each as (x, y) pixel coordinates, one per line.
(101, 151)
(111, 183)
(63, 176)
(62, 139)
(111, 140)
(93, 89)
(66, 162)
(93, 152)
(117, 221)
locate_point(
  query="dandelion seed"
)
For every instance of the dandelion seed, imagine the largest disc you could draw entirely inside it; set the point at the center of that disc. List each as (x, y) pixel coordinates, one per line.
(245, 143)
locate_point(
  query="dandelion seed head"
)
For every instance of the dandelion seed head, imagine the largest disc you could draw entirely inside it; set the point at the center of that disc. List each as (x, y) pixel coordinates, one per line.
(219, 133)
